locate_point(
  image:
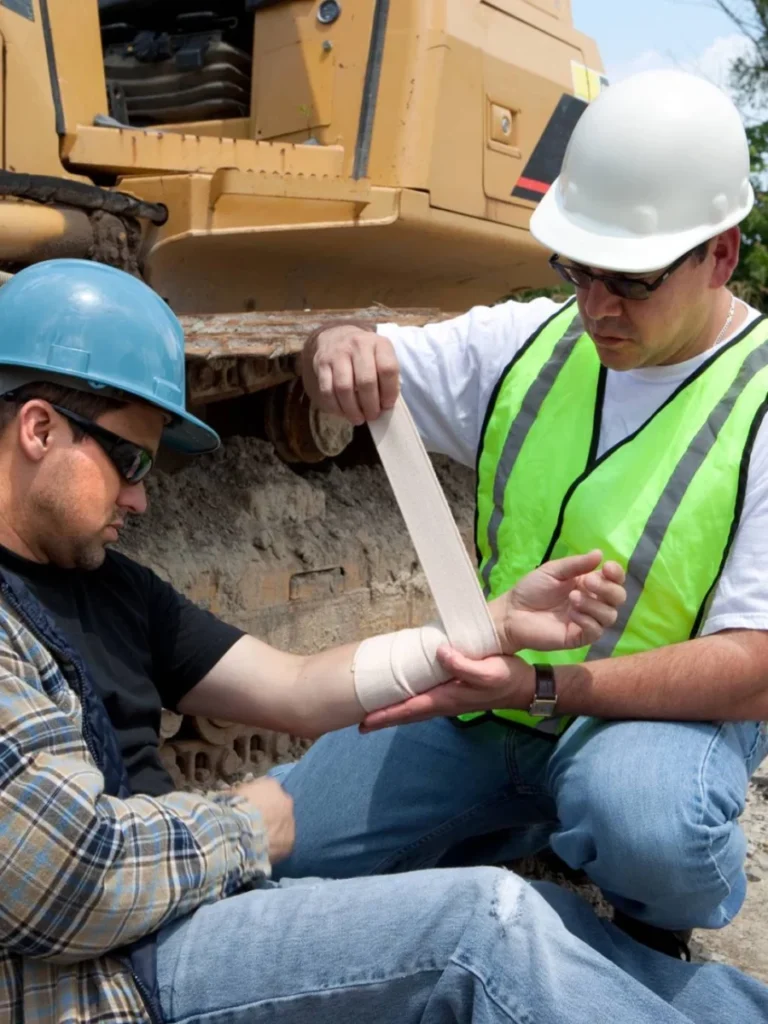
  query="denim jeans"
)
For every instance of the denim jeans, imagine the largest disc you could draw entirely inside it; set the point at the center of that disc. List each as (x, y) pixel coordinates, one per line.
(470, 946)
(648, 809)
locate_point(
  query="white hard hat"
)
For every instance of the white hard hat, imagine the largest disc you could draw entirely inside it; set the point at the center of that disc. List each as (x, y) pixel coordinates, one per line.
(658, 164)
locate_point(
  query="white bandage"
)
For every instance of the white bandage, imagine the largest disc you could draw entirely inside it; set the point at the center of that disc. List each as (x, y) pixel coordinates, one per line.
(391, 668)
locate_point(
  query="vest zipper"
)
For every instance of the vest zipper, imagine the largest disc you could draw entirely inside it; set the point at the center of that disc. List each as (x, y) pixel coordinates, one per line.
(146, 998)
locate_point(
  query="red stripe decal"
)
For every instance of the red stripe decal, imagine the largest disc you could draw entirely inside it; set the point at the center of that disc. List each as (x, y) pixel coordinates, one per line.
(533, 186)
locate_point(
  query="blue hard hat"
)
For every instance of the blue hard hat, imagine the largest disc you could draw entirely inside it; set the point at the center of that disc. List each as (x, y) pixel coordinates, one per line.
(102, 329)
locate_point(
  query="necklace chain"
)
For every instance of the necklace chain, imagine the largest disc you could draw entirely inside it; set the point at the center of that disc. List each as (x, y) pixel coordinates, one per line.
(729, 320)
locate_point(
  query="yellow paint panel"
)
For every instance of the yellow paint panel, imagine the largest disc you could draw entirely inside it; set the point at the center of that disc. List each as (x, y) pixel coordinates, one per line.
(79, 60)
(295, 90)
(587, 82)
(580, 81)
(525, 8)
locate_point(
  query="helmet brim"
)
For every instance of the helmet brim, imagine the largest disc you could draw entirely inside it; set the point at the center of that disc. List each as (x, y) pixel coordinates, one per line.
(186, 433)
(620, 252)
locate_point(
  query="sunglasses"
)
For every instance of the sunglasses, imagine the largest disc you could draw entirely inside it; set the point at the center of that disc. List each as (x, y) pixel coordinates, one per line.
(130, 460)
(617, 284)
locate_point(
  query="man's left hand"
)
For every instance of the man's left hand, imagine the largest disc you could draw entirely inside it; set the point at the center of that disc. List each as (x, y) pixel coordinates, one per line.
(562, 605)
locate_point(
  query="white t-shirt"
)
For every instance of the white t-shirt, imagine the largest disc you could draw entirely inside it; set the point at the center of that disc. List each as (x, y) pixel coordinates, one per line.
(450, 369)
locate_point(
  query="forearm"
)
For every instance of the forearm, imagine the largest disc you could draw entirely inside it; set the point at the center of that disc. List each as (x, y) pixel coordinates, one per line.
(255, 684)
(715, 678)
(158, 860)
(325, 696)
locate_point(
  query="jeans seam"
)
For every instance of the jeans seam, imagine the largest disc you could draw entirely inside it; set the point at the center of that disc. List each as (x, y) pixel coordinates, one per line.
(702, 802)
(761, 735)
(471, 969)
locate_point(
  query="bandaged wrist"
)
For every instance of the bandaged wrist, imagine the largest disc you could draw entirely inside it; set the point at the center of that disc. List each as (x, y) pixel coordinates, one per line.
(391, 668)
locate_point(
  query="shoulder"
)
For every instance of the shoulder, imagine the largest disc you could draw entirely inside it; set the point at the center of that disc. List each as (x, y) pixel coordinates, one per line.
(136, 585)
(483, 328)
(25, 661)
(118, 566)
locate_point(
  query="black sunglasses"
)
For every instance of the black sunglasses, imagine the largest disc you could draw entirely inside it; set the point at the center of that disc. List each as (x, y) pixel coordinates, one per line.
(617, 284)
(130, 460)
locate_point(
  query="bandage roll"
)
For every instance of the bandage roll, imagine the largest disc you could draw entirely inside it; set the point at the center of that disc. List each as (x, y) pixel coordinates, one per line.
(390, 668)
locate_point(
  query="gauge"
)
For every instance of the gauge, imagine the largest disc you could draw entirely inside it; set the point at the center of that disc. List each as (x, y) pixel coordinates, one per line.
(328, 12)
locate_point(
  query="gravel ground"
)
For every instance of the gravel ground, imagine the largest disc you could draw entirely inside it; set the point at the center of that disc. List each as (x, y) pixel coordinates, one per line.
(744, 943)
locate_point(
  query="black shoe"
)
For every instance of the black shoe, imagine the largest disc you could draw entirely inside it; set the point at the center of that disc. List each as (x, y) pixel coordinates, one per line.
(674, 944)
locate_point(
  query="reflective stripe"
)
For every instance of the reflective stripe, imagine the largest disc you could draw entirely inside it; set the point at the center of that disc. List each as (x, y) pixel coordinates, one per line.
(644, 555)
(521, 391)
(523, 370)
(518, 432)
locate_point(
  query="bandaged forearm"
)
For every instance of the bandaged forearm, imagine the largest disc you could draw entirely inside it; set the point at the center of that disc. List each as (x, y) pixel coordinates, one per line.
(391, 668)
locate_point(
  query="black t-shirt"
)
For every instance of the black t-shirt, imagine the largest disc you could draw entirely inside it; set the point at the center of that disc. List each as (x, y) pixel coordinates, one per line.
(144, 644)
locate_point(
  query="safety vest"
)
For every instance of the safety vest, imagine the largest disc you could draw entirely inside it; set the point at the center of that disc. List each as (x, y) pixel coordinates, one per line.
(665, 502)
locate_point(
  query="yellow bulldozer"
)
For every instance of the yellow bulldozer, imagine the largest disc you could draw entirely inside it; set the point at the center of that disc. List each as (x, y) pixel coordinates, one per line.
(266, 165)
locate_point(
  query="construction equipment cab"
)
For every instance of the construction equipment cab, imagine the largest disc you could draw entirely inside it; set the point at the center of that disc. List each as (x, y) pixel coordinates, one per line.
(282, 154)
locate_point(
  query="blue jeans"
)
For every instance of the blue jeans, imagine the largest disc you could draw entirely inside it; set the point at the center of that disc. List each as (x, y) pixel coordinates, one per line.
(471, 945)
(648, 809)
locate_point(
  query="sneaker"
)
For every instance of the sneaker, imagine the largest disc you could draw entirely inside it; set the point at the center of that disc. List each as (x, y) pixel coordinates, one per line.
(674, 944)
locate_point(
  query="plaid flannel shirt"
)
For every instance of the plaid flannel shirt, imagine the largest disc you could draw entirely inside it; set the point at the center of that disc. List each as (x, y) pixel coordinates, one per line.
(83, 874)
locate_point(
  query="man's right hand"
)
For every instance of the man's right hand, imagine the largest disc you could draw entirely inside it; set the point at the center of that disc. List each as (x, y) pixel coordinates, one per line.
(351, 372)
(269, 798)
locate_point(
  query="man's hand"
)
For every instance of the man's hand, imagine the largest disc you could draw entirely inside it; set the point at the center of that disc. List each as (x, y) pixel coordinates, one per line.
(487, 683)
(561, 605)
(351, 372)
(276, 808)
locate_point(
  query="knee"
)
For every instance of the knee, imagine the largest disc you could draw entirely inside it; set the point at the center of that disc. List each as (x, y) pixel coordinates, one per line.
(650, 837)
(495, 892)
(480, 884)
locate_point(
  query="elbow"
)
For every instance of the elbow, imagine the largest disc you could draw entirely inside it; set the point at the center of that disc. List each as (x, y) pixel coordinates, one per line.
(305, 729)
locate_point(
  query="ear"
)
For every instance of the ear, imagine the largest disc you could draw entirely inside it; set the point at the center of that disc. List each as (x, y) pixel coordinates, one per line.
(725, 250)
(37, 429)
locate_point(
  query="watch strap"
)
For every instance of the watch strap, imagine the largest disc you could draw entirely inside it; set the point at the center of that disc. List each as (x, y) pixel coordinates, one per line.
(544, 702)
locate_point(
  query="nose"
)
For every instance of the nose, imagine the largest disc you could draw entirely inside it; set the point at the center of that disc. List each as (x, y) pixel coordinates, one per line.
(133, 498)
(599, 303)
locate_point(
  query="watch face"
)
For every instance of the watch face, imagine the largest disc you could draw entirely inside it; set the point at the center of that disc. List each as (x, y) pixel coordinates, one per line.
(543, 708)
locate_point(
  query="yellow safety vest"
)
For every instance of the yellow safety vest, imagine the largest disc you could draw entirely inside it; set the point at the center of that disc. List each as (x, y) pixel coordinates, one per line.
(665, 502)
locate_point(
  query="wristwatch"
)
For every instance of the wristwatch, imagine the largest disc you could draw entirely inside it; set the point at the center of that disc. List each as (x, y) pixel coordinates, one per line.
(544, 704)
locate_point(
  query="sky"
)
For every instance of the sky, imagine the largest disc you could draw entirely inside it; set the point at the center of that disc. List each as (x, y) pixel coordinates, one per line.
(634, 35)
